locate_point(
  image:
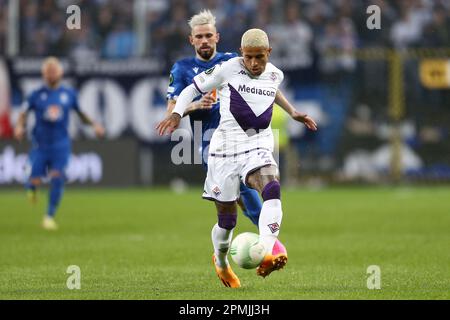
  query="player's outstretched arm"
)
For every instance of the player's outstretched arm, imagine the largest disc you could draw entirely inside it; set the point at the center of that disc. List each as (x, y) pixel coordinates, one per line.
(19, 129)
(281, 100)
(205, 103)
(170, 106)
(172, 121)
(98, 128)
(169, 124)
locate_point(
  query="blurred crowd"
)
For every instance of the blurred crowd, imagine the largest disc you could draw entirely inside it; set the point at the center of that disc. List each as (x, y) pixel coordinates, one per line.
(297, 28)
(351, 94)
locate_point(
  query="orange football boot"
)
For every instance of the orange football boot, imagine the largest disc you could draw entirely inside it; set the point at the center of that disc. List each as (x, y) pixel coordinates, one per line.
(226, 275)
(273, 261)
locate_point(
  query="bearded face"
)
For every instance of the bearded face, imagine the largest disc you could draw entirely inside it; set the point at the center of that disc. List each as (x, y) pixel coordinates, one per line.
(204, 38)
(206, 52)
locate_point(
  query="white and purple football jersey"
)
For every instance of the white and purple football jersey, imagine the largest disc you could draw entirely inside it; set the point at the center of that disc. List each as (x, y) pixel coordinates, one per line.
(245, 108)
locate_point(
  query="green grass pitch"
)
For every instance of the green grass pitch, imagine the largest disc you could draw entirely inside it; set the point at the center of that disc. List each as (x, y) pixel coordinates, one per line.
(155, 244)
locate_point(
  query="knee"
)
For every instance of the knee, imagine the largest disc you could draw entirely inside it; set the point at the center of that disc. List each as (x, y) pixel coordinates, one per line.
(272, 190)
(57, 180)
(227, 220)
(226, 214)
(35, 182)
(55, 174)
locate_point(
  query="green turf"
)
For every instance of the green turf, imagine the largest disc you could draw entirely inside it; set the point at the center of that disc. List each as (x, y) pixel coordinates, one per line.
(154, 244)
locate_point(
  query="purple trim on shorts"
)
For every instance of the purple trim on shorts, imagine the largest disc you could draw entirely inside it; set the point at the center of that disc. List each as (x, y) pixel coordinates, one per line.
(271, 191)
(221, 155)
(196, 86)
(206, 196)
(245, 116)
(227, 220)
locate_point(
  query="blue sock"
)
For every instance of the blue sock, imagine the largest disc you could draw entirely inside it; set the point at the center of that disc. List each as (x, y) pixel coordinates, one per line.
(252, 203)
(55, 194)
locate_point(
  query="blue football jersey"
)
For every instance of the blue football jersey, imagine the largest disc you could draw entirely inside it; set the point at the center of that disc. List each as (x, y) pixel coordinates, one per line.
(52, 108)
(181, 75)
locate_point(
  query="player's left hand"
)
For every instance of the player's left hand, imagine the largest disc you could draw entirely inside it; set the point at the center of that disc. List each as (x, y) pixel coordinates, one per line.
(99, 130)
(305, 119)
(169, 124)
(207, 101)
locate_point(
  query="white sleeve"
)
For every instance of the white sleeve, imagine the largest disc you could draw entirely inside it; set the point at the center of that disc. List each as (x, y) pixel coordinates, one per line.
(210, 79)
(185, 98)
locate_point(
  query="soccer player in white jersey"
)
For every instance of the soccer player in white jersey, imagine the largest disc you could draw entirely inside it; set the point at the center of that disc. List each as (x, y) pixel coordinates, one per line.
(241, 147)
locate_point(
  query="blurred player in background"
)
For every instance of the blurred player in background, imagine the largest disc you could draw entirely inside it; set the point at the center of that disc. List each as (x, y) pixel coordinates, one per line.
(241, 147)
(51, 144)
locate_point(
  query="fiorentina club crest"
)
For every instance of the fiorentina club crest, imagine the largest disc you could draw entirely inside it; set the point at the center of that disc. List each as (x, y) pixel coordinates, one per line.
(273, 76)
(216, 191)
(274, 227)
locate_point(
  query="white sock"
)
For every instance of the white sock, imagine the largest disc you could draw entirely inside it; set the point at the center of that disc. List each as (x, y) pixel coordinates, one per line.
(221, 239)
(269, 223)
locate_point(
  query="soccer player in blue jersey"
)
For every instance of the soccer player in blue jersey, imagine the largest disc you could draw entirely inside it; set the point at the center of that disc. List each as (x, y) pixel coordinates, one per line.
(51, 145)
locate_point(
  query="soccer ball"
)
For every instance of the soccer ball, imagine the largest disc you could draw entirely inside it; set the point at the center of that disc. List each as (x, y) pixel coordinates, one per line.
(246, 251)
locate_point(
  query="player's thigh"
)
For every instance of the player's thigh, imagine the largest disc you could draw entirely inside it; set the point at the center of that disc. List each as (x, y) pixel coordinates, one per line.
(222, 180)
(59, 160)
(38, 160)
(259, 169)
(259, 178)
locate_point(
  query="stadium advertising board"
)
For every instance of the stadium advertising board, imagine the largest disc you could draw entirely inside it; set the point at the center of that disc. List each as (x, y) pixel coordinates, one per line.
(91, 163)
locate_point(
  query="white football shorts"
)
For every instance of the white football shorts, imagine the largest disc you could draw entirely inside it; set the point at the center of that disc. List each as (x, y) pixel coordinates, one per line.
(225, 172)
